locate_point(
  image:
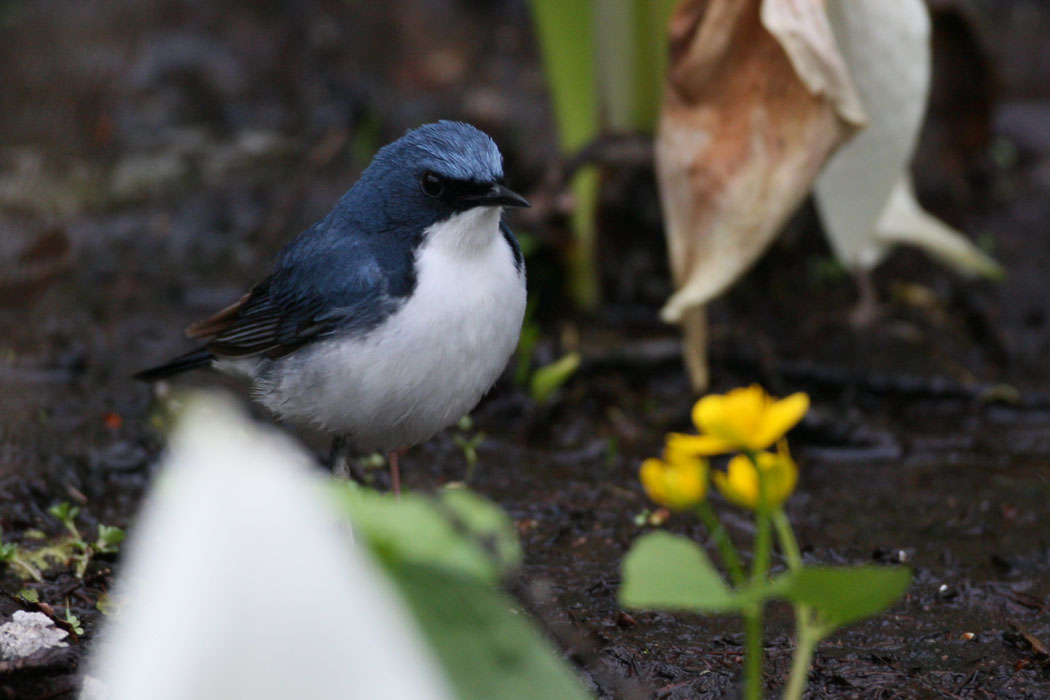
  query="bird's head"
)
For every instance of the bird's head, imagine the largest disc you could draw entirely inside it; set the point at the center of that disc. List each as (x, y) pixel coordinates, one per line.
(437, 171)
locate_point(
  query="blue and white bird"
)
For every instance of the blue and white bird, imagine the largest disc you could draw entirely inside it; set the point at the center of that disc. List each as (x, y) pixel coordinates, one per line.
(391, 317)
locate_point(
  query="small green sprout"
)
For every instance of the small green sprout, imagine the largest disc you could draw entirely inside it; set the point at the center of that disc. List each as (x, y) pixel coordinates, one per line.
(11, 553)
(73, 621)
(74, 547)
(66, 514)
(468, 444)
(109, 539)
(547, 379)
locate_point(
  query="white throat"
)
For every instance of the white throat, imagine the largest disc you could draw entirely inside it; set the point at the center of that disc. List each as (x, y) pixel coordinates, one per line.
(468, 233)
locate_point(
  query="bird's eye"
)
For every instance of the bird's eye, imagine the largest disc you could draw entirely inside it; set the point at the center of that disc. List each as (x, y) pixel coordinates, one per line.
(432, 185)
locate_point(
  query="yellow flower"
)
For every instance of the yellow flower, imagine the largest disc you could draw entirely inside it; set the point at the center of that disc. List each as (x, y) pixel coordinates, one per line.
(739, 484)
(744, 419)
(678, 481)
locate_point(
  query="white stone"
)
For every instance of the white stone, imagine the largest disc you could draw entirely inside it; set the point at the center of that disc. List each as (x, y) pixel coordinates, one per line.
(28, 633)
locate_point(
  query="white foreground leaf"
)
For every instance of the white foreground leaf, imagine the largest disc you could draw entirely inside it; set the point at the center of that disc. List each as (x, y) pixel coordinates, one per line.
(241, 583)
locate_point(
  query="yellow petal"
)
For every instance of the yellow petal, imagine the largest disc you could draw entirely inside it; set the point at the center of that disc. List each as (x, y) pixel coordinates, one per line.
(677, 485)
(780, 417)
(718, 416)
(697, 445)
(651, 476)
(739, 484)
(781, 475)
(707, 410)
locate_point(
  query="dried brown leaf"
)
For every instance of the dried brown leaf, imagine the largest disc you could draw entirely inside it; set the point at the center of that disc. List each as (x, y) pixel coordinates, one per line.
(757, 98)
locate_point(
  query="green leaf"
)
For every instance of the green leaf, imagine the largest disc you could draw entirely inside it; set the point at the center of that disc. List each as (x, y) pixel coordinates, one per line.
(631, 60)
(565, 31)
(548, 378)
(668, 571)
(487, 647)
(487, 524)
(64, 511)
(845, 594)
(458, 531)
(109, 538)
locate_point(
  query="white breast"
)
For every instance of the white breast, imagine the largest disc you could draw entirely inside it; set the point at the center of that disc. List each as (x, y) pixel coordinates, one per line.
(429, 363)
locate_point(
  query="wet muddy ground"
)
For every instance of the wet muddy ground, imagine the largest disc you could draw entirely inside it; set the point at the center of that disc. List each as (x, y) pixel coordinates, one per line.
(156, 154)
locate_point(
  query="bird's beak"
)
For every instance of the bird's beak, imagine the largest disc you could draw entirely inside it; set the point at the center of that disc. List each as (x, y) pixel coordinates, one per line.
(499, 196)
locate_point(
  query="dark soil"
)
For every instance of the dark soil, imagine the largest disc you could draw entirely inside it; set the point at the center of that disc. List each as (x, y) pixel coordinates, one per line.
(155, 154)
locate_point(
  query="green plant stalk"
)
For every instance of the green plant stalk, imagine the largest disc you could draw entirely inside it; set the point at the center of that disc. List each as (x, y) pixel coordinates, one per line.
(583, 264)
(786, 538)
(651, 20)
(565, 32)
(82, 562)
(759, 573)
(763, 541)
(808, 635)
(753, 654)
(616, 59)
(808, 632)
(725, 546)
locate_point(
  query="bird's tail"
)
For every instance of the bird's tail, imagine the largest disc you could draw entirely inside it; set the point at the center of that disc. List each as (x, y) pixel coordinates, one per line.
(194, 358)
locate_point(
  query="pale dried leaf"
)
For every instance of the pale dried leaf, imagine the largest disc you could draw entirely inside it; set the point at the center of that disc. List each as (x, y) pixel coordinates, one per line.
(804, 32)
(887, 48)
(904, 221)
(741, 137)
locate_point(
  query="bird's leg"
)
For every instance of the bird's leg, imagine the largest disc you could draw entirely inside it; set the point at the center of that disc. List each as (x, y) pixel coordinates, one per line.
(340, 462)
(392, 458)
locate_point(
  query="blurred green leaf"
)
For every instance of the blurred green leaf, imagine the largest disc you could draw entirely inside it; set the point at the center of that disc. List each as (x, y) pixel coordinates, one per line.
(565, 31)
(109, 538)
(488, 648)
(583, 273)
(548, 378)
(30, 595)
(566, 35)
(64, 511)
(667, 571)
(843, 595)
(458, 530)
(631, 59)
(446, 555)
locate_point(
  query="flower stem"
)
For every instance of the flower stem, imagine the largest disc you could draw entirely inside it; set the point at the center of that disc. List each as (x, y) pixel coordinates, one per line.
(763, 544)
(786, 537)
(725, 546)
(753, 654)
(808, 634)
(759, 574)
(808, 631)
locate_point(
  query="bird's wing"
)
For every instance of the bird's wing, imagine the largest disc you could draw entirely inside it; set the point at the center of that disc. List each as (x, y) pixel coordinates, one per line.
(289, 309)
